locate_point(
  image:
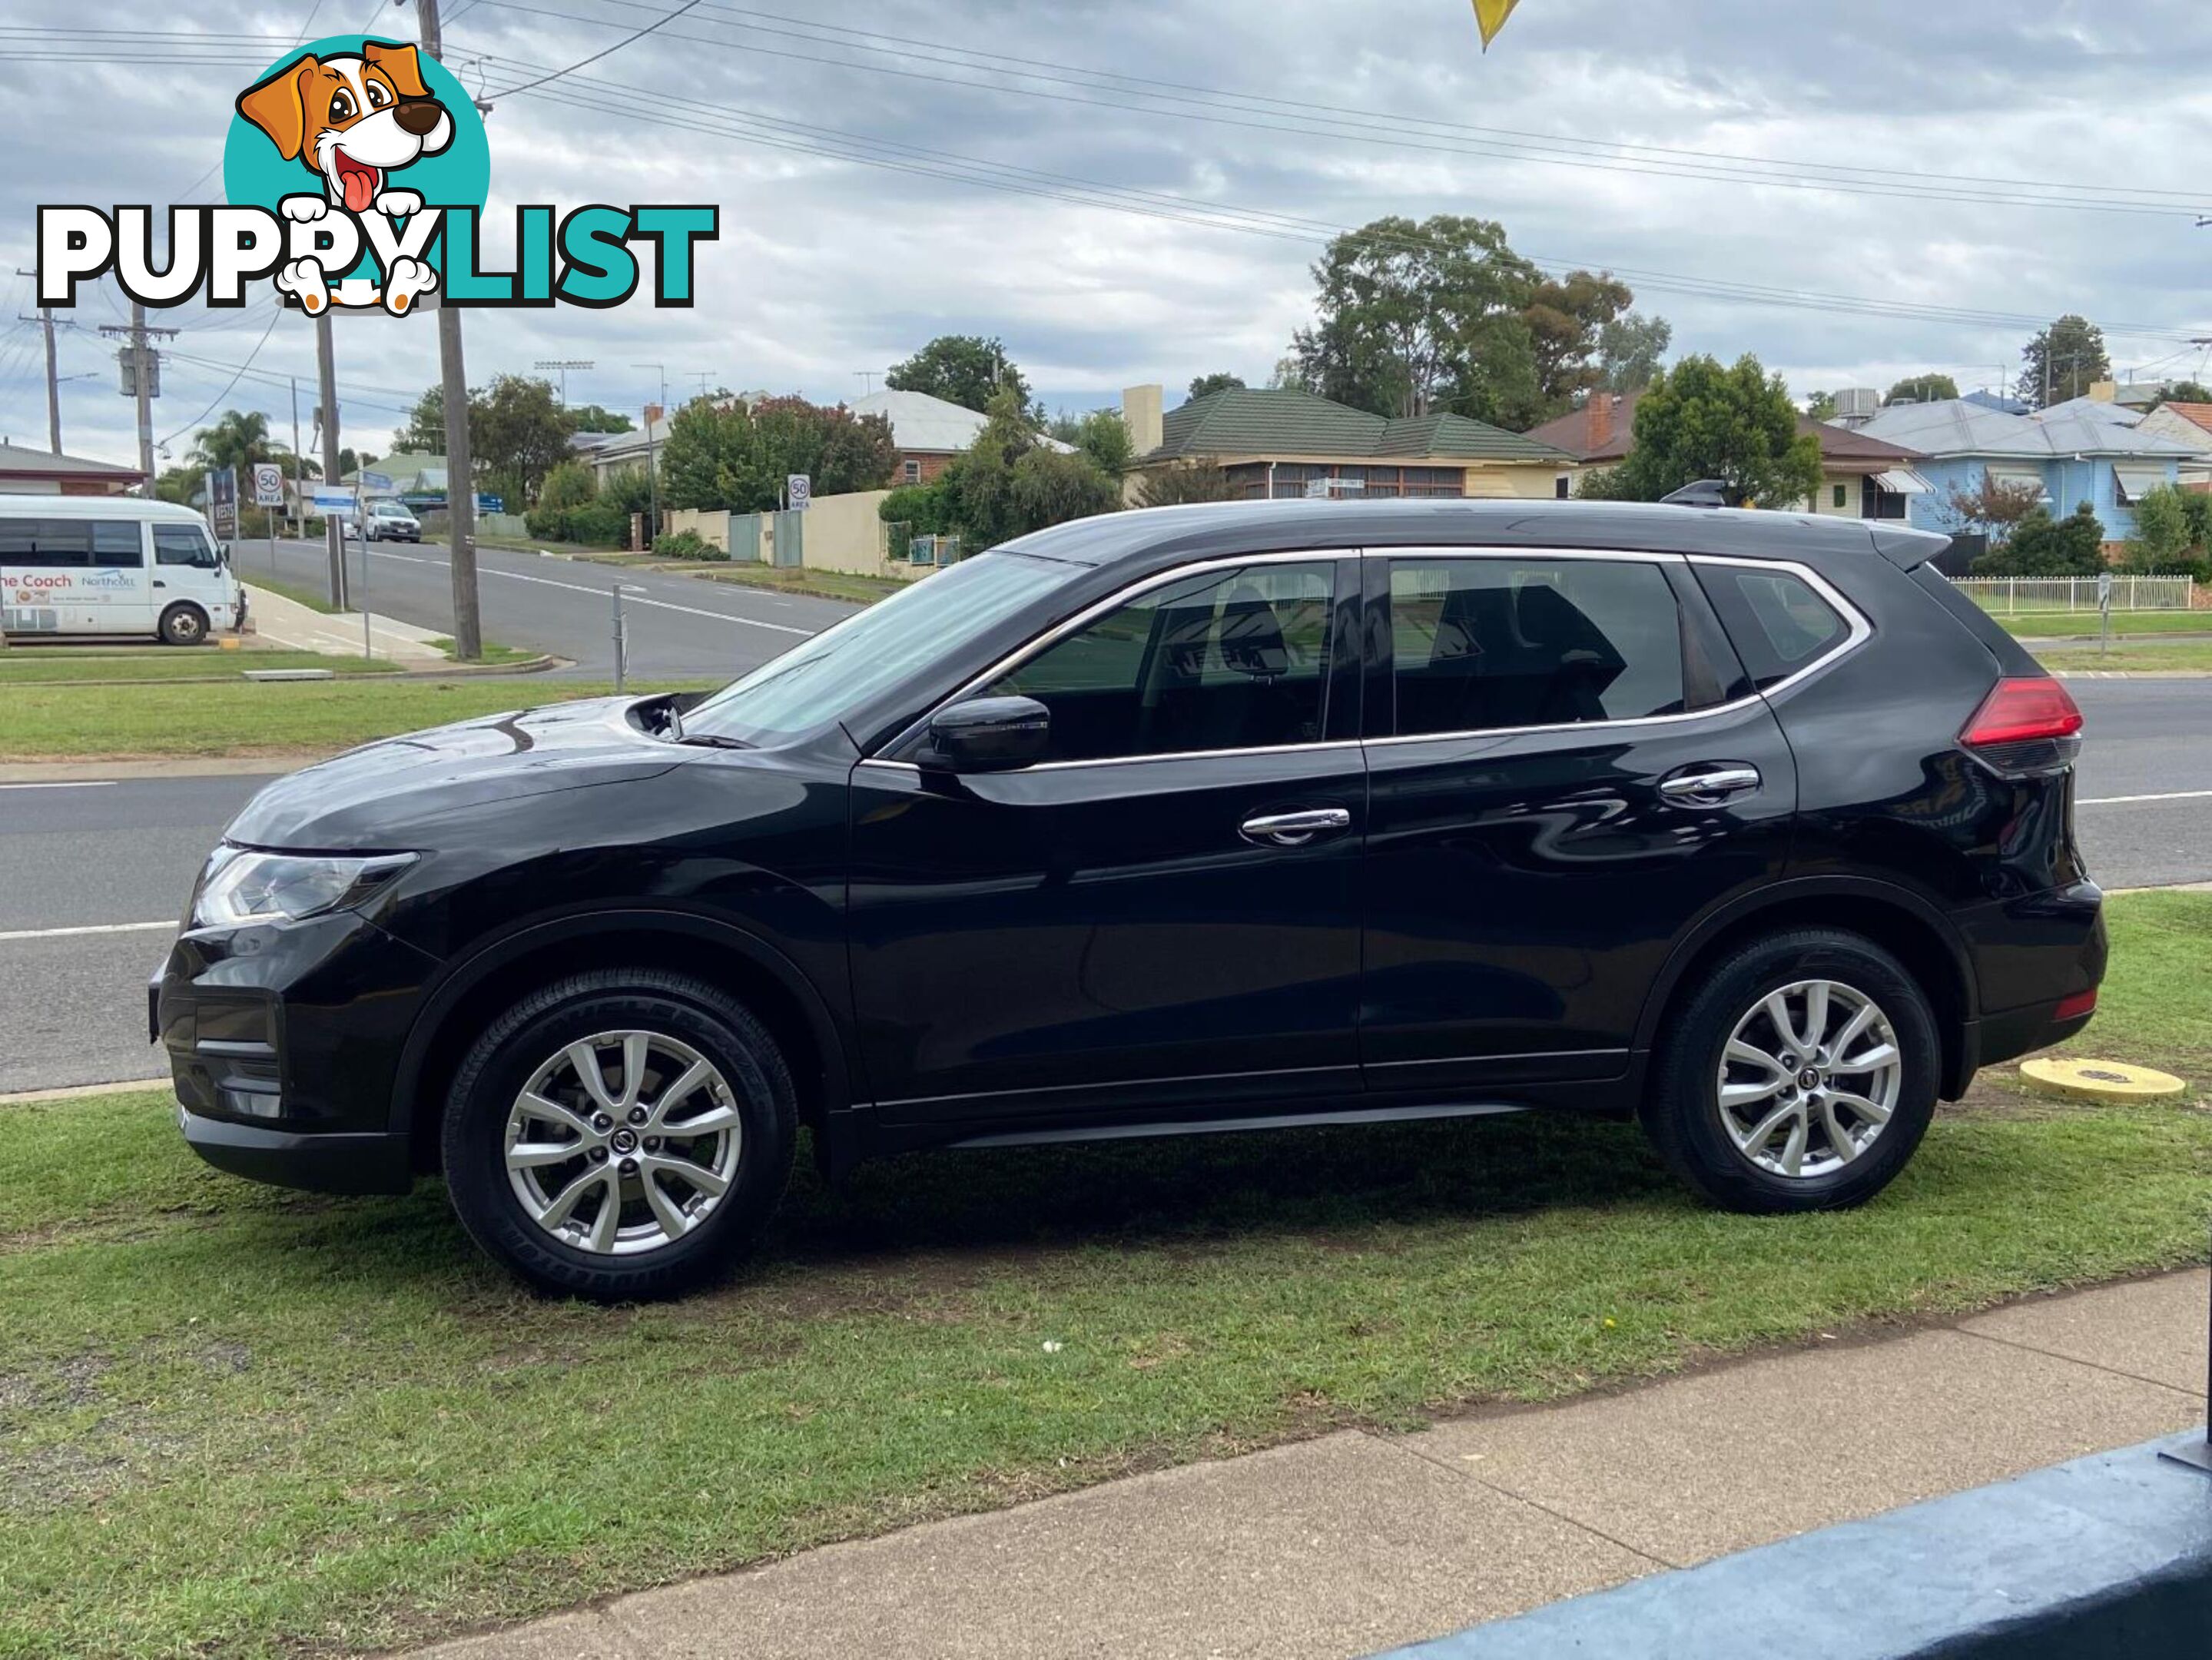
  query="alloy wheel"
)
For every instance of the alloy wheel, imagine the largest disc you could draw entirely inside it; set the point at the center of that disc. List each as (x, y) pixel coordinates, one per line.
(1809, 1079)
(623, 1142)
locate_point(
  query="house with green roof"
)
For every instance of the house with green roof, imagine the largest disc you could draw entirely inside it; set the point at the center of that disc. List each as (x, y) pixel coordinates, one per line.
(1279, 443)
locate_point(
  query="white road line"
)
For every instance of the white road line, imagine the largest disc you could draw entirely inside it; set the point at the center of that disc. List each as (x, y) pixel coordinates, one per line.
(601, 594)
(2124, 800)
(73, 784)
(97, 927)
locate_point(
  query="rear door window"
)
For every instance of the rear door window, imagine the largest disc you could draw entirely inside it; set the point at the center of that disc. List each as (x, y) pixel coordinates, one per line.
(1778, 621)
(1491, 644)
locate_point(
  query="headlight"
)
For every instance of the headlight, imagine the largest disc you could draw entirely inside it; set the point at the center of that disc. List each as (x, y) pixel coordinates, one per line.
(241, 887)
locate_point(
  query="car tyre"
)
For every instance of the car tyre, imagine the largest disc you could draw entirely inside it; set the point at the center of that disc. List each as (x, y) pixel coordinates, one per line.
(1710, 1090)
(532, 1048)
(184, 625)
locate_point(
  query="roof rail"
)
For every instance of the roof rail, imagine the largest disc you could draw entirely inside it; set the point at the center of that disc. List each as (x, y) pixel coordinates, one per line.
(1705, 493)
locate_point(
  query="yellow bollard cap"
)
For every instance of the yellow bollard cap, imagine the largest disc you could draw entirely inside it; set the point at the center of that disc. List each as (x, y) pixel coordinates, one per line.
(2100, 1080)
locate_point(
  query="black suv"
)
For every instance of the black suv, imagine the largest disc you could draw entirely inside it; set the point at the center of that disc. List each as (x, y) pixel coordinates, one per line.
(1205, 819)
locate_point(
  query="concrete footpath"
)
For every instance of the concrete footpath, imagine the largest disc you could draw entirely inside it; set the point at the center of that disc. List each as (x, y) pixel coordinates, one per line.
(1358, 1542)
(338, 634)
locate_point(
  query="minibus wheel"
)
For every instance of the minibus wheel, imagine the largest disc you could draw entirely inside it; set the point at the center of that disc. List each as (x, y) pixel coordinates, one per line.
(184, 625)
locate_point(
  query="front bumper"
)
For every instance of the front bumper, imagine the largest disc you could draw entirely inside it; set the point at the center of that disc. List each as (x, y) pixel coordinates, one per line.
(283, 1043)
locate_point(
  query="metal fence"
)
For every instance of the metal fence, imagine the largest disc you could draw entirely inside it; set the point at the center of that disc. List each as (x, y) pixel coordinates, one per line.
(2006, 594)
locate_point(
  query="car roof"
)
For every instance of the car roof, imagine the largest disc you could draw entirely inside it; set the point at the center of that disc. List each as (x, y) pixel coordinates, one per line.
(97, 506)
(1171, 535)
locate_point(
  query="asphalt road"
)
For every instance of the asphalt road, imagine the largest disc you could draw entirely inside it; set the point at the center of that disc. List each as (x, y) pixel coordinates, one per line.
(678, 627)
(119, 858)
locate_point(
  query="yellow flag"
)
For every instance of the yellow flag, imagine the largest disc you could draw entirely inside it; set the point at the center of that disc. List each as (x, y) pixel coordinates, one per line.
(1489, 15)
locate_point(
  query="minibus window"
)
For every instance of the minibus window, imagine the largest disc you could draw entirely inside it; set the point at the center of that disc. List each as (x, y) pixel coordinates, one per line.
(118, 542)
(183, 544)
(46, 544)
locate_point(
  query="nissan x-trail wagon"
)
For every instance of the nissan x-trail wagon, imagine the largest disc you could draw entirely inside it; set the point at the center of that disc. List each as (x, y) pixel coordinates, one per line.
(1206, 819)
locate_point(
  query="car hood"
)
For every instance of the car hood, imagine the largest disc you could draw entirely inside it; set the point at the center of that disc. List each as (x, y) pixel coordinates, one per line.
(382, 795)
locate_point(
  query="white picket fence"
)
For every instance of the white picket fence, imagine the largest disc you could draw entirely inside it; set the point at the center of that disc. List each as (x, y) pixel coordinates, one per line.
(2007, 594)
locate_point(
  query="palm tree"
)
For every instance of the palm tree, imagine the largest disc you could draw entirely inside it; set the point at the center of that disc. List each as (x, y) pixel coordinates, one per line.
(239, 440)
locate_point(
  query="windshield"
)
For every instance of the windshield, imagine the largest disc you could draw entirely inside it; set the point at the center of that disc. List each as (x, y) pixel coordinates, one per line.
(838, 671)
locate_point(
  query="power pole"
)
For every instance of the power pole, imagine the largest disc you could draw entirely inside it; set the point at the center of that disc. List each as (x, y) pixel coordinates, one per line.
(460, 477)
(45, 319)
(145, 366)
(653, 412)
(333, 527)
(299, 466)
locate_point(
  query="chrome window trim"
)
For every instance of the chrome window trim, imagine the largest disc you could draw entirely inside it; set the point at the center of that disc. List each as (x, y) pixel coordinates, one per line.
(1120, 596)
(1860, 631)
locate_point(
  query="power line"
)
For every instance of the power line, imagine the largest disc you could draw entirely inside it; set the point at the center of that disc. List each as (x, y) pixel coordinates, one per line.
(1389, 131)
(581, 62)
(163, 443)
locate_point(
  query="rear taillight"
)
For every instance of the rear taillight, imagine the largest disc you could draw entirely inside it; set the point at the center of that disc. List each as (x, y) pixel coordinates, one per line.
(2025, 725)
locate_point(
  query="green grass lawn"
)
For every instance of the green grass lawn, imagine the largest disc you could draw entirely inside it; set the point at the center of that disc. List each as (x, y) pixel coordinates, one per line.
(241, 1421)
(45, 665)
(2044, 624)
(493, 652)
(2181, 654)
(311, 598)
(243, 718)
(818, 584)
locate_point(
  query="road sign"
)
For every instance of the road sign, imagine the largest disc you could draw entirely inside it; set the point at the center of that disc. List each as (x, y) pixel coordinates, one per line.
(268, 484)
(332, 500)
(798, 492)
(489, 503)
(375, 481)
(222, 502)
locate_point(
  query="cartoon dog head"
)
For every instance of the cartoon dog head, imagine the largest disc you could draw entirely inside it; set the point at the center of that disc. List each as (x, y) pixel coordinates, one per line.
(351, 120)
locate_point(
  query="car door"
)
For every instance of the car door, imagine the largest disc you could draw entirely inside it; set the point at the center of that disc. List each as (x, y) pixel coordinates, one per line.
(1162, 912)
(1567, 767)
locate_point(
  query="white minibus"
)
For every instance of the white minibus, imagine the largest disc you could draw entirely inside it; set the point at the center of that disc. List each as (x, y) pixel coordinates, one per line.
(113, 565)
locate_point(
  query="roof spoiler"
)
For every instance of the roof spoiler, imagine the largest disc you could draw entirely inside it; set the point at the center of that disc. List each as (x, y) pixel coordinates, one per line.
(1906, 549)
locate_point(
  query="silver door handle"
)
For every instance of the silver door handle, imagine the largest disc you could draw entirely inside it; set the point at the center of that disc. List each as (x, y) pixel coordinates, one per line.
(1714, 784)
(1292, 830)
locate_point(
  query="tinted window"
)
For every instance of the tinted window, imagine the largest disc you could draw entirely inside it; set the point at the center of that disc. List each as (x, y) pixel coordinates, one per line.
(1777, 622)
(1479, 645)
(182, 544)
(46, 543)
(118, 542)
(1225, 659)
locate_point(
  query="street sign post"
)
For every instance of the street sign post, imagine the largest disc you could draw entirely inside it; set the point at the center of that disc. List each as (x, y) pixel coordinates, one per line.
(222, 502)
(798, 492)
(2104, 611)
(268, 495)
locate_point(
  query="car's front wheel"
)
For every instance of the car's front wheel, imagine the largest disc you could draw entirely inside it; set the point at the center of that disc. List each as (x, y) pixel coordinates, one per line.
(620, 1134)
(1799, 1075)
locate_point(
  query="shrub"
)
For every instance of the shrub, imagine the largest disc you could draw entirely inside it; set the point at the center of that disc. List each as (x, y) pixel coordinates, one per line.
(599, 524)
(570, 484)
(2043, 546)
(686, 545)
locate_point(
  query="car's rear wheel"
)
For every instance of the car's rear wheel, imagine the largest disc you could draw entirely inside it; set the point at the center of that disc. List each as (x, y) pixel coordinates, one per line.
(184, 625)
(1799, 1075)
(620, 1134)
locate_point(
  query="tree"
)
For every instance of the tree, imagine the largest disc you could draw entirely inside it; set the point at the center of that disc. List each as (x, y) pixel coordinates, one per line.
(2062, 362)
(1419, 317)
(1820, 406)
(179, 484)
(1737, 424)
(1567, 317)
(1104, 437)
(733, 458)
(1006, 484)
(1992, 507)
(961, 369)
(517, 432)
(1186, 481)
(590, 418)
(239, 439)
(1629, 350)
(1220, 380)
(352, 461)
(425, 431)
(2043, 546)
(2186, 391)
(2173, 528)
(1922, 389)
(569, 484)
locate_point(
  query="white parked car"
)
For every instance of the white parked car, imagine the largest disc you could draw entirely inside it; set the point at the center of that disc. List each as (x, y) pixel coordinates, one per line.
(113, 565)
(390, 522)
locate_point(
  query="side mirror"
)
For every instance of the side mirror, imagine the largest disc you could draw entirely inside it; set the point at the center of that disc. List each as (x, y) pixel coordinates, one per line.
(987, 734)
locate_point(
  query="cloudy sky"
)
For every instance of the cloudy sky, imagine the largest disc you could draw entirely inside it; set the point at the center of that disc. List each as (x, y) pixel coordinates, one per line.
(1164, 174)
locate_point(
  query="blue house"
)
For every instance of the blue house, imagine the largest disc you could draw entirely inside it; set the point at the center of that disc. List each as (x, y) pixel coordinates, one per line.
(2074, 453)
